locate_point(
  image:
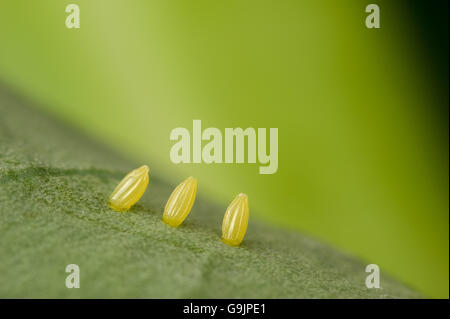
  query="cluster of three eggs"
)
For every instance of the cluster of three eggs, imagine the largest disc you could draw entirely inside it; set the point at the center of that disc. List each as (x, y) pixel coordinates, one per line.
(180, 203)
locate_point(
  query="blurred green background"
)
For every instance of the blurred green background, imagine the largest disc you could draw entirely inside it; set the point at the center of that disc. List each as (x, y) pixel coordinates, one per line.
(362, 113)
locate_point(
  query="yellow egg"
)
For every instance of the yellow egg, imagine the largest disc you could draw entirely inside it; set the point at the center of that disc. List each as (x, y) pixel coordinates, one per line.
(130, 189)
(180, 202)
(235, 221)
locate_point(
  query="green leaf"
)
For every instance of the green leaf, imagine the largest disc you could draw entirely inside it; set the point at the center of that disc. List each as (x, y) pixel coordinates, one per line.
(54, 187)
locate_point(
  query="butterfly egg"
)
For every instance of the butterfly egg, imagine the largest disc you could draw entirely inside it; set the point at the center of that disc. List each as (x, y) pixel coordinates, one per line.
(235, 221)
(130, 189)
(180, 202)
